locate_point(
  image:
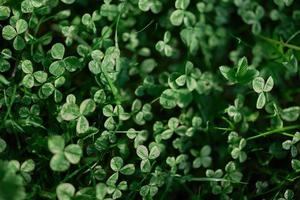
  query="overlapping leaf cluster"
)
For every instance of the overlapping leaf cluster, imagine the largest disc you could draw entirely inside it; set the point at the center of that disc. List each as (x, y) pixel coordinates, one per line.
(149, 99)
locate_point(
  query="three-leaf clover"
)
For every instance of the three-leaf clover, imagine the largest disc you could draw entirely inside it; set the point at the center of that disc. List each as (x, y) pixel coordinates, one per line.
(180, 15)
(253, 18)
(141, 113)
(111, 112)
(292, 144)
(202, 157)
(9, 32)
(163, 47)
(63, 156)
(261, 87)
(71, 111)
(144, 154)
(154, 5)
(190, 77)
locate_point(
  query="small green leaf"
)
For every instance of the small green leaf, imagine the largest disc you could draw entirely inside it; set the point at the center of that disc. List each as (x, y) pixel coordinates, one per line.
(116, 163)
(145, 165)
(182, 4)
(101, 191)
(70, 111)
(19, 43)
(261, 101)
(40, 76)
(258, 84)
(56, 144)
(57, 68)
(176, 17)
(73, 153)
(21, 26)
(47, 89)
(269, 84)
(65, 191)
(87, 106)
(290, 114)
(154, 153)
(8, 32)
(2, 145)
(58, 51)
(26, 66)
(28, 81)
(168, 99)
(59, 163)
(128, 169)
(82, 125)
(28, 166)
(68, 1)
(4, 12)
(142, 152)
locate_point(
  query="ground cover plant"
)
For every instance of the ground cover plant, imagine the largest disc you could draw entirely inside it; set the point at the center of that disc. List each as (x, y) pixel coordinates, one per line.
(149, 99)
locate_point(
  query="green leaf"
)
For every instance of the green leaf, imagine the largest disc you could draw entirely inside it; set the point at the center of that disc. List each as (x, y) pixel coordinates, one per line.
(100, 97)
(4, 12)
(82, 125)
(87, 106)
(70, 111)
(290, 114)
(47, 89)
(182, 4)
(40, 76)
(59, 163)
(19, 43)
(28, 166)
(73, 153)
(261, 101)
(145, 165)
(2, 145)
(269, 84)
(258, 84)
(28, 81)
(154, 153)
(101, 191)
(116, 163)
(58, 51)
(65, 191)
(95, 67)
(56, 144)
(8, 32)
(26, 66)
(142, 152)
(21, 26)
(168, 99)
(176, 17)
(295, 164)
(128, 169)
(68, 1)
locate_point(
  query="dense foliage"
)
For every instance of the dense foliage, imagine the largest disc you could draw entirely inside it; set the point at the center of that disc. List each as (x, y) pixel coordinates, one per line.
(149, 99)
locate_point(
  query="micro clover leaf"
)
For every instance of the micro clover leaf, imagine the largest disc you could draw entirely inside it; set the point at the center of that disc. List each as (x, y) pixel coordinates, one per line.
(9, 33)
(202, 157)
(295, 164)
(70, 111)
(2, 145)
(239, 74)
(173, 124)
(58, 51)
(111, 112)
(190, 76)
(154, 5)
(73, 153)
(253, 18)
(261, 87)
(168, 99)
(232, 173)
(63, 156)
(27, 166)
(236, 111)
(65, 191)
(282, 3)
(88, 21)
(4, 12)
(290, 114)
(181, 15)
(142, 113)
(144, 154)
(163, 47)
(113, 188)
(100, 96)
(291, 144)
(148, 190)
(288, 195)
(116, 164)
(57, 68)
(28, 80)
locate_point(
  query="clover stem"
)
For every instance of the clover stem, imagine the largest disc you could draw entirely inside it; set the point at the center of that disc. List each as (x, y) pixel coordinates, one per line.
(291, 46)
(278, 130)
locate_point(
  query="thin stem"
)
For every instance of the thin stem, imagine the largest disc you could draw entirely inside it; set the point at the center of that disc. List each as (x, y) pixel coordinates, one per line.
(291, 46)
(278, 130)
